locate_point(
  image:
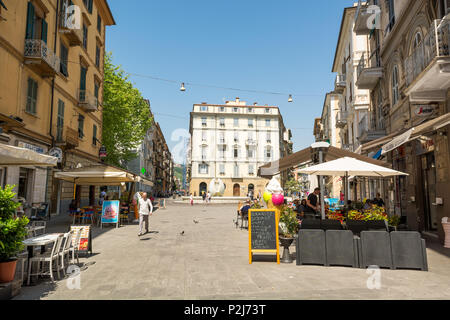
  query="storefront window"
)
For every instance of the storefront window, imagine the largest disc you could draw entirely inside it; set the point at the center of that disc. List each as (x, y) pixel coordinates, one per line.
(24, 179)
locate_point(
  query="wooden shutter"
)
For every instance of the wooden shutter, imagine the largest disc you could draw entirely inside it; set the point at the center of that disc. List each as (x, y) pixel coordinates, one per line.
(44, 31)
(83, 78)
(30, 21)
(60, 121)
(29, 95)
(90, 6)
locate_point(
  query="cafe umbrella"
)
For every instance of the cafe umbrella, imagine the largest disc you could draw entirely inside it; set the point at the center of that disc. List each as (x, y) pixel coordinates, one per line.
(347, 166)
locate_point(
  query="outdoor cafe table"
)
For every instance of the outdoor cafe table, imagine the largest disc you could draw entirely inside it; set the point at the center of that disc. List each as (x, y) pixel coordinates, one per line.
(41, 241)
(33, 230)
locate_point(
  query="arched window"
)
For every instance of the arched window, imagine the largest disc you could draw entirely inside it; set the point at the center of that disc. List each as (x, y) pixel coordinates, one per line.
(417, 39)
(395, 93)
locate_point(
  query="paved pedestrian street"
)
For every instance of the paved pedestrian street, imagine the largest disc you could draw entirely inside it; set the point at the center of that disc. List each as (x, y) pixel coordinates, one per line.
(210, 261)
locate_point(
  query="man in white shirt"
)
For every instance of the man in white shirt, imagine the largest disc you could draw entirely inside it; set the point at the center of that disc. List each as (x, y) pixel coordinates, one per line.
(145, 209)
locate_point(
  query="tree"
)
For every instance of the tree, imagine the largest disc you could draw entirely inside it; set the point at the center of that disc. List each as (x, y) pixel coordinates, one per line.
(126, 115)
(293, 185)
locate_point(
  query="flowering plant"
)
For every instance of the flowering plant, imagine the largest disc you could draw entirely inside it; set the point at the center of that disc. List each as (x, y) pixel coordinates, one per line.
(288, 221)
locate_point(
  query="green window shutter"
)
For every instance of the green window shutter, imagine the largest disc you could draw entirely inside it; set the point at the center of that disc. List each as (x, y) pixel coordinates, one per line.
(44, 31)
(90, 6)
(35, 89)
(30, 21)
(83, 78)
(29, 95)
(60, 121)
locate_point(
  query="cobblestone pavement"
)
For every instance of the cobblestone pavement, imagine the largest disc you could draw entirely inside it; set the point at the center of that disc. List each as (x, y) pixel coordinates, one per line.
(210, 261)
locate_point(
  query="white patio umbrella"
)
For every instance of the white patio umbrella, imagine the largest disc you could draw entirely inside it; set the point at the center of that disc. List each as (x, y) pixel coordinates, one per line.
(350, 167)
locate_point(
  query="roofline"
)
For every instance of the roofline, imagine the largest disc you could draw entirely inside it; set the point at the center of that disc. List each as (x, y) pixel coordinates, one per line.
(108, 11)
(344, 15)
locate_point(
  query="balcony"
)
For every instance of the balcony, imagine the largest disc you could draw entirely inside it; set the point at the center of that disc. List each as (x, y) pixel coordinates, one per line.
(74, 36)
(67, 137)
(86, 101)
(250, 142)
(41, 58)
(369, 70)
(427, 69)
(341, 119)
(340, 83)
(363, 17)
(370, 133)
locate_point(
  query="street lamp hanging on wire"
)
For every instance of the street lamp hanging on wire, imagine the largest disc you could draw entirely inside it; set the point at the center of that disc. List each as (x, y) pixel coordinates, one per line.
(290, 98)
(182, 87)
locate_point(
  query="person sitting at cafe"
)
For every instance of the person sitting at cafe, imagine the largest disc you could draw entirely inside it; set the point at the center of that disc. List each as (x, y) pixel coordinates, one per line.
(367, 205)
(244, 209)
(378, 200)
(73, 206)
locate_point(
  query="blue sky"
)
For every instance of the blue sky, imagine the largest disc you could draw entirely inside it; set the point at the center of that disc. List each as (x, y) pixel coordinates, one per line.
(278, 46)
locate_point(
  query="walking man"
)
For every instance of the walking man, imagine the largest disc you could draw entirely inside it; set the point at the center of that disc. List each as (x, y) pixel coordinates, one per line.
(145, 209)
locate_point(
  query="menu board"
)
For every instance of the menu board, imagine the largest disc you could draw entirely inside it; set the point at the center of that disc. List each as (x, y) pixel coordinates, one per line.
(263, 232)
(110, 212)
(85, 242)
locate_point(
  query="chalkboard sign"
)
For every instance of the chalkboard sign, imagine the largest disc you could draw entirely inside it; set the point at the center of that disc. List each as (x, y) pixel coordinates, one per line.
(263, 232)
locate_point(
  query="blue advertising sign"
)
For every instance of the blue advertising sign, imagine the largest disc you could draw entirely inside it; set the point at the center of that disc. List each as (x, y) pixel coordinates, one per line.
(111, 212)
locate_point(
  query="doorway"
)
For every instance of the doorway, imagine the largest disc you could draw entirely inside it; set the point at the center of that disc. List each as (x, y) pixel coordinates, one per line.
(236, 190)
(203, 188)
(429, 187)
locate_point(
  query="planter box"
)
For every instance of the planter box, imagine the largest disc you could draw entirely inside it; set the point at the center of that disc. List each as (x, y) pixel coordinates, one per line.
(10, 290)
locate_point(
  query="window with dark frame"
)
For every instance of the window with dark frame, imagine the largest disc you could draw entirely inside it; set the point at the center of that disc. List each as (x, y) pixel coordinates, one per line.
(31, 96)
(85, 36)
(64, 57)
(94, 135)
(60, 121)
(81, 126)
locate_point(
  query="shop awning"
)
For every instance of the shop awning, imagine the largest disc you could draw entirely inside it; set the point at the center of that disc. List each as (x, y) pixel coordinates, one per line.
(100, 175)
(307, 155)
(399, 138)
(15, 156)
(145, 181)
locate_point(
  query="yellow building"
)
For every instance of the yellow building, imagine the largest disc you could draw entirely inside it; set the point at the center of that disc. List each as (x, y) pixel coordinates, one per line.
(51, 84)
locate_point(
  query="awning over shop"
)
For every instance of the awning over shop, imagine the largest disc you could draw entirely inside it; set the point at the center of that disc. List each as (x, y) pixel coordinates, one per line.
(100, 175)
(145, 181)
(307, 155)
(399, 138)
(15, 156)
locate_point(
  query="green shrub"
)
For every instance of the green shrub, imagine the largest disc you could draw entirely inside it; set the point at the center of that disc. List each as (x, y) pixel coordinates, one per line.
(12, 230)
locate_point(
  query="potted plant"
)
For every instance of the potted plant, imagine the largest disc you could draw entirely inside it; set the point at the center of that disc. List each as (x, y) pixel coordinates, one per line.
(12, 233)
(288, 228)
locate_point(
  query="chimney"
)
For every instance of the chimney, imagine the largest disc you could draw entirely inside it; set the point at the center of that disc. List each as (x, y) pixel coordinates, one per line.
(237, 100)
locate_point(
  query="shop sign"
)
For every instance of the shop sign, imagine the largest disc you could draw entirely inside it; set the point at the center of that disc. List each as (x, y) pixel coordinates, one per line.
(31, 147)
(425, 110)
(102, 152)
(57, 153)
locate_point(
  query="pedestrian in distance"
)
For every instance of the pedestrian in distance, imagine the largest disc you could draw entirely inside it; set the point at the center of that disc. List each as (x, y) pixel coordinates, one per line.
(145, 209)
(191, 198)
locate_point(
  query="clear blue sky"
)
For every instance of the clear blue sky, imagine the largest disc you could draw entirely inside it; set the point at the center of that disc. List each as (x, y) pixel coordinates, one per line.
(279, 46)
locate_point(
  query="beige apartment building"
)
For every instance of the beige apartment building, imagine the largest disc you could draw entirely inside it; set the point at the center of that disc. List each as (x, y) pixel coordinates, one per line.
(51, 84)
(231, 141)
(410, 96)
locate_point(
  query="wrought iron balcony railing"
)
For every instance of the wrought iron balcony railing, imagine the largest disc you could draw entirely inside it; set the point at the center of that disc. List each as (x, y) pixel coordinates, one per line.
(37, 50)
(434, 44)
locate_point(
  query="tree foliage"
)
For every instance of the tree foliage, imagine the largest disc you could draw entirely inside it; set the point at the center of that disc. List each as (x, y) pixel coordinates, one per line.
(126, 116)
(293, 185)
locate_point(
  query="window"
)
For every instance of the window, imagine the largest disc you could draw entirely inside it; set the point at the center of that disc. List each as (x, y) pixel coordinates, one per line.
(267, 110)
(222, 122)
(250, 123)
(85, 36)
(251, 169)
(80, 126)
(204, 108)
(236, 171)
(222, 137)
(88, 4)
(417, 39)
(64, 55)
(99, 24)
(395, 94)
(251, 110)
(267, 122)
(236, 152)
(24, 181)
(60, 121)
(204, 151)
(36, 27)
(31, 96)
(236, 136)
(203, 168)
(391, 15)
(222, 152)
(97, 56)
(203, 122)
(94, 135)
(250, 153)
(235, 109)
(83, 74)
(268, 153)
(236, 122)
(96, 90)
(204, 136)
(222, 169)
(222, 109)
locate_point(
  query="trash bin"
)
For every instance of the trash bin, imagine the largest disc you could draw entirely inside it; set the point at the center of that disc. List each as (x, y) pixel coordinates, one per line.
(446, 226)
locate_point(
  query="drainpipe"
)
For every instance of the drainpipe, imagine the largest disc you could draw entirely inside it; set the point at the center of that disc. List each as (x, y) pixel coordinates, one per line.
(51, 110)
